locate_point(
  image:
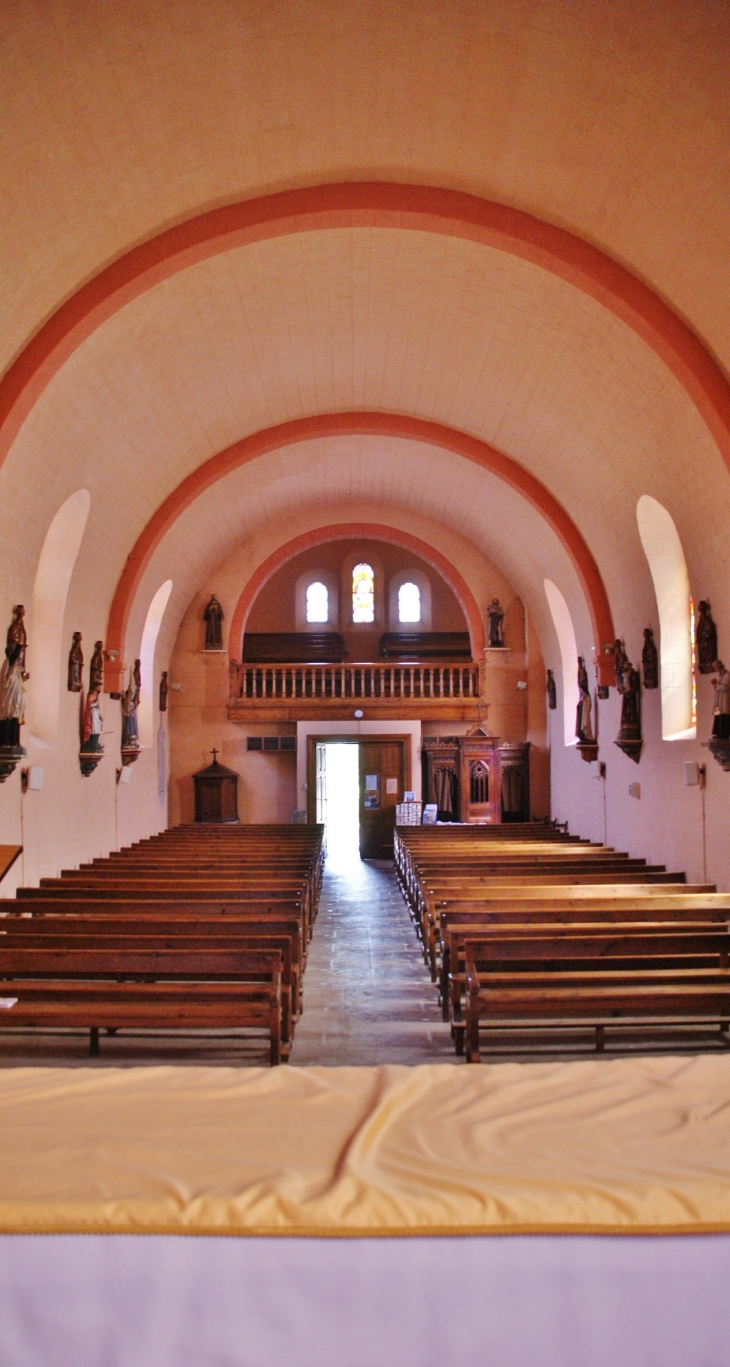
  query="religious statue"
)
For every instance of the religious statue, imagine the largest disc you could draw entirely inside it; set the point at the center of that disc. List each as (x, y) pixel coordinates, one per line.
(13, 677)
(552, 695)
(92, 726)
(621, 664)
(650, 660)
(75, 665)
(96, 668)
(130, 703)
(495, 613)
(163, 691)
(721, 710)
(629, 736)
(213, 618)
(705, 638)
(583, 729)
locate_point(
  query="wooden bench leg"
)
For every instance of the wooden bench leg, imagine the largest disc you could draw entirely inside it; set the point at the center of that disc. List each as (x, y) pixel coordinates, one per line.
(600, 1038)
(275, 1028)
(472, 1028)
(94, 1041)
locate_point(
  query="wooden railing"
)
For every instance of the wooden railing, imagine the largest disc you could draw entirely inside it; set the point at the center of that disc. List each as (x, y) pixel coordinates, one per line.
(356, 682)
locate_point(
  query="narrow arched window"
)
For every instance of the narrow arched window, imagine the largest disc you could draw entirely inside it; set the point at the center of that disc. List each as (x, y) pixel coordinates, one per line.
(363, 594)
(151, 631)
(317, 602)
(50, 592)
(409, 603)
(565, 632)
(663, 550)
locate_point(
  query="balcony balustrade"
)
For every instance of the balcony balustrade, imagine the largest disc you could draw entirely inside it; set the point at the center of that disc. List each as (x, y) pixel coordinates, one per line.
(316, 689)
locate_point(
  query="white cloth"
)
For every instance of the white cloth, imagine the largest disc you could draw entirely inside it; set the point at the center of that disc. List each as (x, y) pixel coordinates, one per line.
(509, 1301)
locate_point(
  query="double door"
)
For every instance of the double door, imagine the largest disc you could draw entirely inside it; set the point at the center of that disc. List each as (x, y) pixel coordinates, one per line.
(383, 770)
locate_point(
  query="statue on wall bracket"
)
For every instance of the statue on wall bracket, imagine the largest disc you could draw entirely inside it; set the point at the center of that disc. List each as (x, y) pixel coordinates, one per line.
(650, 660)
(719, 742)
(213, 618)
(74, 682)
(13, 678)
(495, 614)
(552, 695)
(705, 638)
(587, 744)
(130, 704)
(621, 664)
(92, 726)
(629, 738)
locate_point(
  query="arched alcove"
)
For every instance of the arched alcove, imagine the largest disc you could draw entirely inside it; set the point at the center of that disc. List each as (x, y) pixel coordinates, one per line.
(565, 633)
(663, 550)
(153, 622)
(50, 591)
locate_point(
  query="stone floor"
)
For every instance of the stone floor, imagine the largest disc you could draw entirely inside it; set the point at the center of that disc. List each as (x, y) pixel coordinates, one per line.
(367, 995)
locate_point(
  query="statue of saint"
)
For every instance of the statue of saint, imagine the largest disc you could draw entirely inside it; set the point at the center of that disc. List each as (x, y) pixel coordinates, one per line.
(705, 638)
(93, 723)
(163, 691)
(130, 703)
(552, 695)
(13, 677)
(630, 705)
(213, 618)
(583, 728)
(721, 710)
(96, 668)
(629, 738)
(621, 664)
(75, 664)
(495, 614)
(650, 660)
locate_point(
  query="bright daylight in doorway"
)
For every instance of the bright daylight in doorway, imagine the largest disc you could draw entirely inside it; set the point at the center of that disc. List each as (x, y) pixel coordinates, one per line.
(338, 800)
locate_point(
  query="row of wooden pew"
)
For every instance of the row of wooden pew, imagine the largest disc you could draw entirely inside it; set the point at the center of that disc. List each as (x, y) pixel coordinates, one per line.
(198, 928)
(526, 928)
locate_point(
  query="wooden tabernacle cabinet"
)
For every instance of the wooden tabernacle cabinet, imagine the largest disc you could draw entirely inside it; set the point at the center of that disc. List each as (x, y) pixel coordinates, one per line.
(475, 778)
(216, 793)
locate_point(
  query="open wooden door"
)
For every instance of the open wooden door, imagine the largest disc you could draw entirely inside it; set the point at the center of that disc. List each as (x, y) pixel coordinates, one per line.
(382, 783)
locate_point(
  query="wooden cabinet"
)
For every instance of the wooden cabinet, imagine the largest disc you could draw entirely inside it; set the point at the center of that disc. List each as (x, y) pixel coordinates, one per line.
(216, 793)
(477, 778)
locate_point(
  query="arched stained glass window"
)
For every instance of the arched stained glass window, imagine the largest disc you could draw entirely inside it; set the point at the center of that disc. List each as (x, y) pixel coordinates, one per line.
(363, 594)
(409, 603)
(317, 602)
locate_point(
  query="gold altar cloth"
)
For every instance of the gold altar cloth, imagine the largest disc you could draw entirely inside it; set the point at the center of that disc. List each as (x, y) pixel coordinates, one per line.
(638, 1145)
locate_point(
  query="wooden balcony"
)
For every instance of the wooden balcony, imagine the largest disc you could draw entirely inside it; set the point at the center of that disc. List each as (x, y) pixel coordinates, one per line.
(295, 692)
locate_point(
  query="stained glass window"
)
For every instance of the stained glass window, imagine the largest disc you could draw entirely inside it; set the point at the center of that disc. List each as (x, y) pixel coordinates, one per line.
(409, 603)
(363, 594)
(317, 603)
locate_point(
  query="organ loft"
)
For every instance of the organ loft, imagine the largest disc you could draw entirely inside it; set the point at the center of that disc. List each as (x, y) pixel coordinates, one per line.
(364, 685)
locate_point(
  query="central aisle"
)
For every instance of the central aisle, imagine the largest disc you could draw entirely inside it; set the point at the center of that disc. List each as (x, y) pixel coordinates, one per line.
(368, 998)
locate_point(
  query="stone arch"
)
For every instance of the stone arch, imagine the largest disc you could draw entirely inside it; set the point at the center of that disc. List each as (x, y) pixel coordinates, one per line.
(345, 531)
(378, 424)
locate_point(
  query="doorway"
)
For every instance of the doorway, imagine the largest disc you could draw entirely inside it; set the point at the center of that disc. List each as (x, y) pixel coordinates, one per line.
(338, 798)
(353, 787)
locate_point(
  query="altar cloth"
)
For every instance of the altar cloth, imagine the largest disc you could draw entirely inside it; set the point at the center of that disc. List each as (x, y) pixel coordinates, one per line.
(632, 1145)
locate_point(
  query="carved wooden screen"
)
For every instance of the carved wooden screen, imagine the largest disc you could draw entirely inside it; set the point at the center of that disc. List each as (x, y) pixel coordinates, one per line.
(478, 782)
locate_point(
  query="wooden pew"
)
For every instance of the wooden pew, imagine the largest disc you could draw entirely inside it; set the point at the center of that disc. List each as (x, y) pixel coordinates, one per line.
(569, 982)
(167, 989)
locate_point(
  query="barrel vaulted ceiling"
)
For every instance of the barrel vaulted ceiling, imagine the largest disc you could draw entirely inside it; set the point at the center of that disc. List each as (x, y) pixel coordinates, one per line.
(607, 119)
